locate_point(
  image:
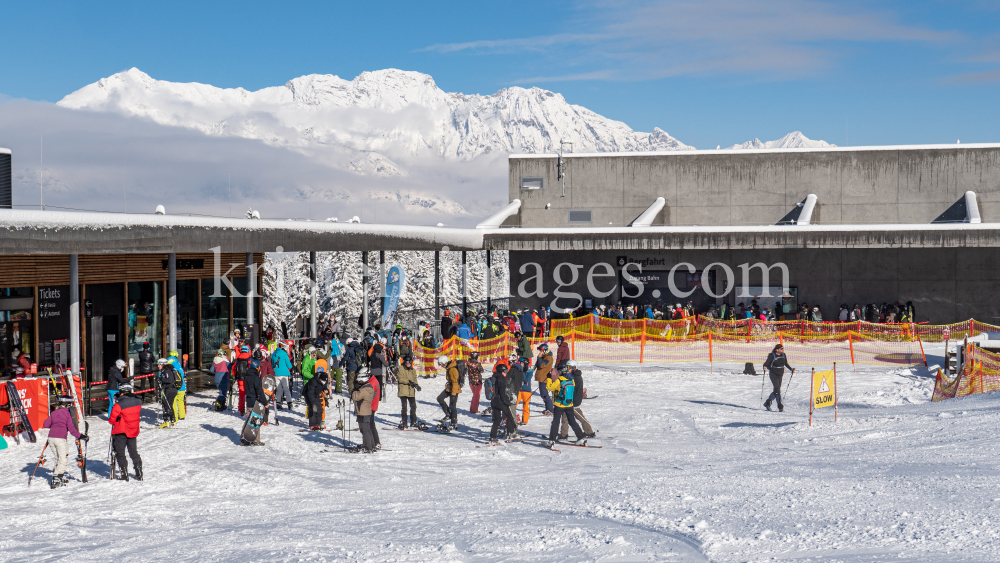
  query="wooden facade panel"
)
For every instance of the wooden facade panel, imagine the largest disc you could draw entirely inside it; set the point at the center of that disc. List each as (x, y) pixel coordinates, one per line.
(48, 269)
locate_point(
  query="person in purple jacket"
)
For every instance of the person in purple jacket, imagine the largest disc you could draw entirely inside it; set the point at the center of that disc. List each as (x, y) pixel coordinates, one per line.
(60, 424)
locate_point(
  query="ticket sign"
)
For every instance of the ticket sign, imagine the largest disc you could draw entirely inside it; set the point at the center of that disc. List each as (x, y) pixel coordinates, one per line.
(823, 391)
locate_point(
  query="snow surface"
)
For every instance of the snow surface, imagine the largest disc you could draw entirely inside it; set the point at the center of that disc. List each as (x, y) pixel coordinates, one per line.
(692, 470)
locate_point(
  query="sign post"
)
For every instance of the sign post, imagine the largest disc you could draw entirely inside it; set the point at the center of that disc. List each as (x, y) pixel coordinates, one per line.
(823, 391)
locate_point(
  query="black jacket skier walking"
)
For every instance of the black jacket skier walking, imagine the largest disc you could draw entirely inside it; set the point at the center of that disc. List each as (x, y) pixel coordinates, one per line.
(775, 364)
(500, 404)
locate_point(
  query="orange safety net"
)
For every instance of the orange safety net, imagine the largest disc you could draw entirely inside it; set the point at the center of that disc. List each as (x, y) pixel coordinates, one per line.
(979, 374)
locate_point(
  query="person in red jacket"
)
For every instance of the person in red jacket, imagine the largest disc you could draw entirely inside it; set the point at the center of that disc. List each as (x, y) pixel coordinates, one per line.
(124, 421)
(562, 354)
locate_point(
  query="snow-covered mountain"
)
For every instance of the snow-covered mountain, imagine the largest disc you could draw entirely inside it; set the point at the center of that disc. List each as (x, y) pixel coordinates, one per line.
(381, 123)
(793, 140)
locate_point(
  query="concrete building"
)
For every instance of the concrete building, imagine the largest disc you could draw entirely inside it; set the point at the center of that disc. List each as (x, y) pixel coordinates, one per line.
(869, 212)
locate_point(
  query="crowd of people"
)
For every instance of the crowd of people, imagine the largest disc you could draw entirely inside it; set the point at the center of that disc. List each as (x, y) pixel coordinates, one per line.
(886, 313)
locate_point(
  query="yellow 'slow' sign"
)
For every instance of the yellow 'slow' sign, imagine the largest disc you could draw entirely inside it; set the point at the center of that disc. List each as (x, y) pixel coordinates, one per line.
(824, 389)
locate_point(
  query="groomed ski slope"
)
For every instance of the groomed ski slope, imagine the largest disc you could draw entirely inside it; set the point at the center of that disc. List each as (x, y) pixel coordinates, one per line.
(692, 470)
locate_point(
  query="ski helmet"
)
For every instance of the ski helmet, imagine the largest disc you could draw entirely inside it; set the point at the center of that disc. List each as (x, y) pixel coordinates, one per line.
(571, 364)
(474, 356)
(243, 350)
(258, 355)
(543, 347)
(514, 358)
(174, 354)
(500, 369)
(125, 388)
(407, 360)
(442, 360)
(161, 361)
(120, 364)
(559, 339)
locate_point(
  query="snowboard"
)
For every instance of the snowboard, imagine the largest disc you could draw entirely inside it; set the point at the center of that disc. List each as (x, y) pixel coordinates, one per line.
(251, 428)
(578, 445)
(22, 424)
(270, 383)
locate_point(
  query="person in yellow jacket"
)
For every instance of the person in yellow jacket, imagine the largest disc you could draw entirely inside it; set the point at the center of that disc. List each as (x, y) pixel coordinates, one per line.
(563, 388)
(408, 386)
(451, 391)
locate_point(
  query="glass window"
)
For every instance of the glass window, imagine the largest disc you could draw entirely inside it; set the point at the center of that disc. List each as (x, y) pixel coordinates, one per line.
(532, 182)
(16, 328)
(240, 304)
(214, 319)
(145, 310)
(580, 216)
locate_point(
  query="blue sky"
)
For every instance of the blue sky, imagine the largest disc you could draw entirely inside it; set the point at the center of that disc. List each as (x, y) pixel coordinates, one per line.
(709, 72)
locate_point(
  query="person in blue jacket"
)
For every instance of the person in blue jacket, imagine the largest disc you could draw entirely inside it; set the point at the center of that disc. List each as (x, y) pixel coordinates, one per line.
(464, 332)
(282, 365)
(180, 407)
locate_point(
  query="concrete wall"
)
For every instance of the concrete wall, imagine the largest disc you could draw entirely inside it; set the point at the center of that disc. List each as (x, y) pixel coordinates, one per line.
(854, 186)
(945, 285)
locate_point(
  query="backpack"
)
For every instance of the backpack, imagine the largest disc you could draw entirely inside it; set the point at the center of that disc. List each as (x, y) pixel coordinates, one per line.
(488, 388)
(577, 388)
(463, 372)
(178, 379)
(242, 365)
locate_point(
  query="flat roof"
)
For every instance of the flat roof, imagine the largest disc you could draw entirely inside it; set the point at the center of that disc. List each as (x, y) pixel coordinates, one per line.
(763, 151)
(59, 232)
(4, 151)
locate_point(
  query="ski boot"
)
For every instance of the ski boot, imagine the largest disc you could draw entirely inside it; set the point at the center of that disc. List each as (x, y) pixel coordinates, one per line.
(57, 481)
(290, 405)
(453, 425)
(781, 407)
(378, 447)
(493, 441)
(767, 405)
(402, 426)
(138, 473)
(421, 425)
(591, 435)
(340, 425)
(357, 449)
(549, 444)
(257, 443)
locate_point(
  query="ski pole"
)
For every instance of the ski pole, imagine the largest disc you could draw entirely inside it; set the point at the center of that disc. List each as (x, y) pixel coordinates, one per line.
(111, 457)
(789, 384)
(41, 461)
(762, 377)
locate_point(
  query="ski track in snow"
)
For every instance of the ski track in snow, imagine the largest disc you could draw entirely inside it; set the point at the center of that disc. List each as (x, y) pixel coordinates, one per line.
(693, 469)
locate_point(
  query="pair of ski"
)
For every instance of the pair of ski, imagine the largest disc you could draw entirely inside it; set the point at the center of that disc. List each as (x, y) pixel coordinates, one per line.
(19, 423)
(77, 413)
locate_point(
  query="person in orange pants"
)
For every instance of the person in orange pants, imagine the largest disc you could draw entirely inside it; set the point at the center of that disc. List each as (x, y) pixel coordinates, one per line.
(524, 395)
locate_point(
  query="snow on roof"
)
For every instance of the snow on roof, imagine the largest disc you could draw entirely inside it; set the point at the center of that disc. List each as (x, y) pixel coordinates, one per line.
(4, 151)
(643, 231)
(767, 151)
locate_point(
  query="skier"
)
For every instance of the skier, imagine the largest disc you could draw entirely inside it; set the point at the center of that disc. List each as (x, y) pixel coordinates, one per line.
(377, 361)
(265, 370)
(446, 326)
(562, 387)
(365, 397)
(408, 386)
(335, 362)
(588, 430)
(220, 366)
(543, 366)
(775, 364)
(282, 365)
(500, 405)
(475, 380)
(180, 404)
(562, 354)
(524, 395)
(241, 362)
(450, 393)
(308, 367)
(166, 382)
(115, 380)
(352, 362)
(60, 423)
(315, 393)
(524, 346)
(124, 430)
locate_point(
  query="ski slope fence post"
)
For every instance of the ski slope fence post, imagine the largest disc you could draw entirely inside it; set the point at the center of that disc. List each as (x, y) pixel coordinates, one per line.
(642, 342)
(802, 332)
(836, 397)
(850, 342)
(749, 330)
(710, 366)
(812, 393)
(572, 341)
(922, 355)
(781, 338)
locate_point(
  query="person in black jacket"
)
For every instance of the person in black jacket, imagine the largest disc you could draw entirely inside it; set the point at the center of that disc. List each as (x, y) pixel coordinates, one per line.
(115, 379)
(254, 387)
(314, 392)
(501, 405)
(147, 362)
(165, 380)
(578, 389)
(775, 364)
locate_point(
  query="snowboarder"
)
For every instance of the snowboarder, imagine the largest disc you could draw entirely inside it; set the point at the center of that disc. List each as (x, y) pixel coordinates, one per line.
(524, 393)
(562, 387)
(315, 394)
(475, 380)
(282, 365)
(588, 430)
(448, 399)
(253, 385)
(500, 405)
(124, 430)
(60, 423)
(167, 385)
(408, 386)
(365, 397)
(775, 364)
(115, 380)
(241, 362)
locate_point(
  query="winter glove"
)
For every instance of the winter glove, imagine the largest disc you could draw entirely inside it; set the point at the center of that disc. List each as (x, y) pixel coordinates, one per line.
(417, 386)
(84, 437)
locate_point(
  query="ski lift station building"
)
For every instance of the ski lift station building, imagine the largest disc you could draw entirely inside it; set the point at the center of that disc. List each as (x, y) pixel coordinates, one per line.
(868, 224)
